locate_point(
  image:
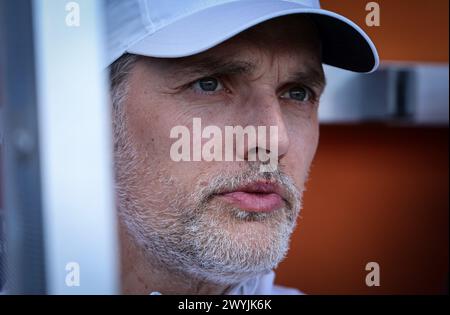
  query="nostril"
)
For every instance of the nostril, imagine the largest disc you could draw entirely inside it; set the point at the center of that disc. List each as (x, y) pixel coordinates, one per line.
(258, 154)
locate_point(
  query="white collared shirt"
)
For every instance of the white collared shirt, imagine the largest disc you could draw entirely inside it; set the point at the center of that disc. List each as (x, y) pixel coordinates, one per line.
(260, 285)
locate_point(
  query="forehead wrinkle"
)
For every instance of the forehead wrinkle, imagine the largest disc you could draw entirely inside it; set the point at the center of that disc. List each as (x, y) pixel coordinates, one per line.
(245, 61)
(301, 70)
(209, 65)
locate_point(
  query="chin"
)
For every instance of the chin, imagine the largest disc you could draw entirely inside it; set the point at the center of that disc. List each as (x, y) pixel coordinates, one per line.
(228, 249)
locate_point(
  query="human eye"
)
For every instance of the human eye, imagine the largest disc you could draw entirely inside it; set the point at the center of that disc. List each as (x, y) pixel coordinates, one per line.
(299, 94)
(207, 85)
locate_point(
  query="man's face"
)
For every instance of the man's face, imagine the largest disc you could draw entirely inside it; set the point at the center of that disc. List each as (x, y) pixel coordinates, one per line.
(219, 220)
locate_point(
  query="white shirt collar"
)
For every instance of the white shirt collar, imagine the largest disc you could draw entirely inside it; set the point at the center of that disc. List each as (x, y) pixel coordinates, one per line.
(259, 285)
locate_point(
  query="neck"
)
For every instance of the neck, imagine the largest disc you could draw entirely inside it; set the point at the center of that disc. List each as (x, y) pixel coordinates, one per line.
(140, 275)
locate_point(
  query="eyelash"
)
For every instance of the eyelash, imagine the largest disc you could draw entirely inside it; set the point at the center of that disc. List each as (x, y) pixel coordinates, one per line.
(312, 95)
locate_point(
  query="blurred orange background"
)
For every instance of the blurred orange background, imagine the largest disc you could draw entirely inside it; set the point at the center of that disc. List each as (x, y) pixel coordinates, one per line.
(379, 192)
(411, 30)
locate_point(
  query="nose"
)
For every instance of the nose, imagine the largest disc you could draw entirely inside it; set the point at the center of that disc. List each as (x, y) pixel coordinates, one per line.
(263, 111)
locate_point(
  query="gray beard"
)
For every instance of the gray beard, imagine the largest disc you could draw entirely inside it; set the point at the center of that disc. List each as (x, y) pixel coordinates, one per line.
(192, 234)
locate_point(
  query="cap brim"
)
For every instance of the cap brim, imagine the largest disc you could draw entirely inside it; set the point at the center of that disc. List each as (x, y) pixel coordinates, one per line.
(344, 44)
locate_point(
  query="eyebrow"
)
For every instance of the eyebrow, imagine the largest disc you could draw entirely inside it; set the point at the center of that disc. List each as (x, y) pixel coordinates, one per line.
(211, 66)
(312, 76)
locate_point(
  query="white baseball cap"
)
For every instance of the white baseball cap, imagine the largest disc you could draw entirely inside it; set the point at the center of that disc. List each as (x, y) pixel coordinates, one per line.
(180, 28)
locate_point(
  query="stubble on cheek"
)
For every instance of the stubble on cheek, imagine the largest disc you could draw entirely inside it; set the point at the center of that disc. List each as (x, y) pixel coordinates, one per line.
(174, 222)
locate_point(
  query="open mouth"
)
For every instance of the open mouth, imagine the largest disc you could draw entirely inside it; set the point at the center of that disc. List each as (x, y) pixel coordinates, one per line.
(258, 196)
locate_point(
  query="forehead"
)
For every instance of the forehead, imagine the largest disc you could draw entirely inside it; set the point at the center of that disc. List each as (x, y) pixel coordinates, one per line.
(295, 28)
(290, 36)
(290, 41)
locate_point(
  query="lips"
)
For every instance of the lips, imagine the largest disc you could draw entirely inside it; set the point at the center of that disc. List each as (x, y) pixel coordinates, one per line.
(256, 197)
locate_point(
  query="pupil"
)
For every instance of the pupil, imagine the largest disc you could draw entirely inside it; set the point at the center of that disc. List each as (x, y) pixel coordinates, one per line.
(209, 84)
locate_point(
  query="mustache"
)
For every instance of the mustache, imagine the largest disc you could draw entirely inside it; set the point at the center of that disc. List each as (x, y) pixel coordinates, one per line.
(232, 180)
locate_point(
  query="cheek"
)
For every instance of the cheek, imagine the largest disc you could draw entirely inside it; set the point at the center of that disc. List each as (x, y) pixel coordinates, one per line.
(150, 119)
(303, 146)
(150, 131)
